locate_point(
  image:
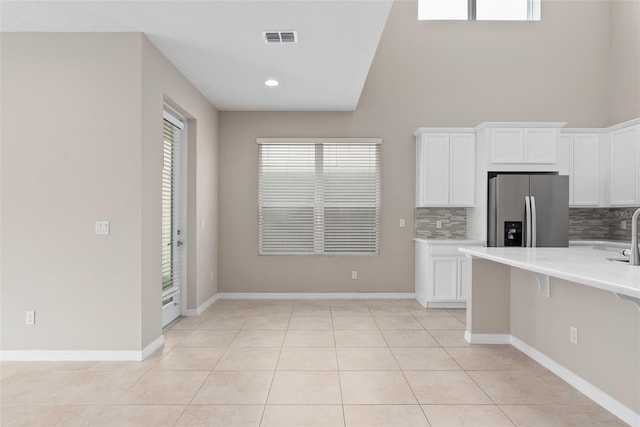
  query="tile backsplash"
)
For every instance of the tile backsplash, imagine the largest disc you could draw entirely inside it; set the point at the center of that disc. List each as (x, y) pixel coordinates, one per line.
(454, 223)
(584, 223)
(600, 223)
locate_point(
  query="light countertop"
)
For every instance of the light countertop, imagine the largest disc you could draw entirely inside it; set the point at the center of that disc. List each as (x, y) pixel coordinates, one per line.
(583, 265)
(450, 242)
(613, 244)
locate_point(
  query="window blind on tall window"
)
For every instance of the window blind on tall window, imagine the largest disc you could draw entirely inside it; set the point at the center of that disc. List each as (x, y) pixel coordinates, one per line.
(171, 268)
(319, 196)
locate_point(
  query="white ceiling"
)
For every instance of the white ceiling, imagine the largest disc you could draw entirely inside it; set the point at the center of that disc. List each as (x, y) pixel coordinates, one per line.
(218, 44)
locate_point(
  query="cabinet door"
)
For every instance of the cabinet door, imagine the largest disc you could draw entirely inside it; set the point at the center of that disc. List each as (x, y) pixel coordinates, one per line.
(421, 272)
(462, 150)
(541, 145)
(443, 279)
(565, 158)
(421, 171)
(585, 176)
(463, 279)
(436, 164)
(507, 145)
(624, 146)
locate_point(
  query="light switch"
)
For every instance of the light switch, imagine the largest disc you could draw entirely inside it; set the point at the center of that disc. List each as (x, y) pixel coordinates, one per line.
(102, 228)
(402, 223)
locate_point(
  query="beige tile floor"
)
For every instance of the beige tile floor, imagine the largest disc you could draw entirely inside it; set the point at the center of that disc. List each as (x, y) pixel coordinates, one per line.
(302, 363)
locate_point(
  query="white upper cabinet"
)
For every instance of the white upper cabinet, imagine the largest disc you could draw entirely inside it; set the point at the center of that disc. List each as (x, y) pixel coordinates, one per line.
(433, 168)
(507, 145)
(541, 145)
(517, 145)
(580, 159)
(624, 185)
(462, 166)
(445, 168)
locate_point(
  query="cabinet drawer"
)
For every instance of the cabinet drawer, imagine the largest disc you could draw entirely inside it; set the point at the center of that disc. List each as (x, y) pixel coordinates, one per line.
(444, 250)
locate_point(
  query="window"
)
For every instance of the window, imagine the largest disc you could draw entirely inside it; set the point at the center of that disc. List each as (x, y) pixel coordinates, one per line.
(170, 185)
(319, 197)
(479, 10)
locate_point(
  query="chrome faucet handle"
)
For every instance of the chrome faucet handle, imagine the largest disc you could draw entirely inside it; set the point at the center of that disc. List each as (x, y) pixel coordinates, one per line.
(625, 252)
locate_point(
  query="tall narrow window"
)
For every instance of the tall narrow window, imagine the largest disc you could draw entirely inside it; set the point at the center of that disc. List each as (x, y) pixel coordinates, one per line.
(171, 229)
(319, 197)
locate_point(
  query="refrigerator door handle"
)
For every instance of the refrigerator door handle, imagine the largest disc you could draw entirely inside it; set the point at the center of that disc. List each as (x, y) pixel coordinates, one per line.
(533, 222)
(527, 220)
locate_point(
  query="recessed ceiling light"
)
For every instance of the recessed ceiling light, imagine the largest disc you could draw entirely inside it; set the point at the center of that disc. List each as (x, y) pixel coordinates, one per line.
(271, 83)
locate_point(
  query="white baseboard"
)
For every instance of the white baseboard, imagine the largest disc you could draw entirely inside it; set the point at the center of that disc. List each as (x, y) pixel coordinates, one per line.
(68, 356)
(148, 350)
(80, 355)
(614, 406)
(198, 311)
(487, 338)
(337, 295)
(446, 305)
(207, 304)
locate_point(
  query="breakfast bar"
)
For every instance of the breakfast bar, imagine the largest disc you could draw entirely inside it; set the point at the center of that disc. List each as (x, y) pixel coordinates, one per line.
(574, 310)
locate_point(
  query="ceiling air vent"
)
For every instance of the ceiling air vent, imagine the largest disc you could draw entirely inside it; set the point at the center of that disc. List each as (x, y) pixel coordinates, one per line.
(271, 37)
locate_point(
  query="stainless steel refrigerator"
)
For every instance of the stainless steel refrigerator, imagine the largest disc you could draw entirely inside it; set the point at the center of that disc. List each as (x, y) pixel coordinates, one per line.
(529, 210)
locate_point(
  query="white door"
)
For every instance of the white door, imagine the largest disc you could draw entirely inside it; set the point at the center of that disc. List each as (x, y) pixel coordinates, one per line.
(172, 228)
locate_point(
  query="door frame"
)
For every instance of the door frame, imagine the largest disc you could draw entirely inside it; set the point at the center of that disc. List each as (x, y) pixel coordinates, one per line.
(172, 115)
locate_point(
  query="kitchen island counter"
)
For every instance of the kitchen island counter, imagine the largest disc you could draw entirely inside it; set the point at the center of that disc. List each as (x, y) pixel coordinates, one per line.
(582, 265)
(570, 309)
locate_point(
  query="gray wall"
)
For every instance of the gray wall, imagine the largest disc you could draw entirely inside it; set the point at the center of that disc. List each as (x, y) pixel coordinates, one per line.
(608, 347)
(424, 74)
(625, 60)
(81, 141)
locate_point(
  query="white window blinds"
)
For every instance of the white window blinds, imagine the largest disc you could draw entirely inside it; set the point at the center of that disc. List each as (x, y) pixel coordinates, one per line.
(171, 268)
(319, 197)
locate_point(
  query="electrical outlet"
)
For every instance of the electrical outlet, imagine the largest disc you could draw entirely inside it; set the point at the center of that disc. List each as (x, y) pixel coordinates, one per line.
(573, 335)
(211, 277)
(623, 225)
(30, 318)
(438, 224)
(402, 223)
(354, 275)
(102, 228)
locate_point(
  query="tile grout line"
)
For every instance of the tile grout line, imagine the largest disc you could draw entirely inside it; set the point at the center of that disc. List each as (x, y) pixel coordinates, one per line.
(407, 380)
(275, 369)
(335, 352)
(210, 371)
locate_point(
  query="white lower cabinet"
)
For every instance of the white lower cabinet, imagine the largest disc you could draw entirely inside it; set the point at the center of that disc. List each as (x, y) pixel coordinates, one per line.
(442, 272)
(443, 279)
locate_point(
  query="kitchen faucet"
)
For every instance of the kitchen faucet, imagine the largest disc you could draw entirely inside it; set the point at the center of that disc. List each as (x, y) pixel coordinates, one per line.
(634, 256)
